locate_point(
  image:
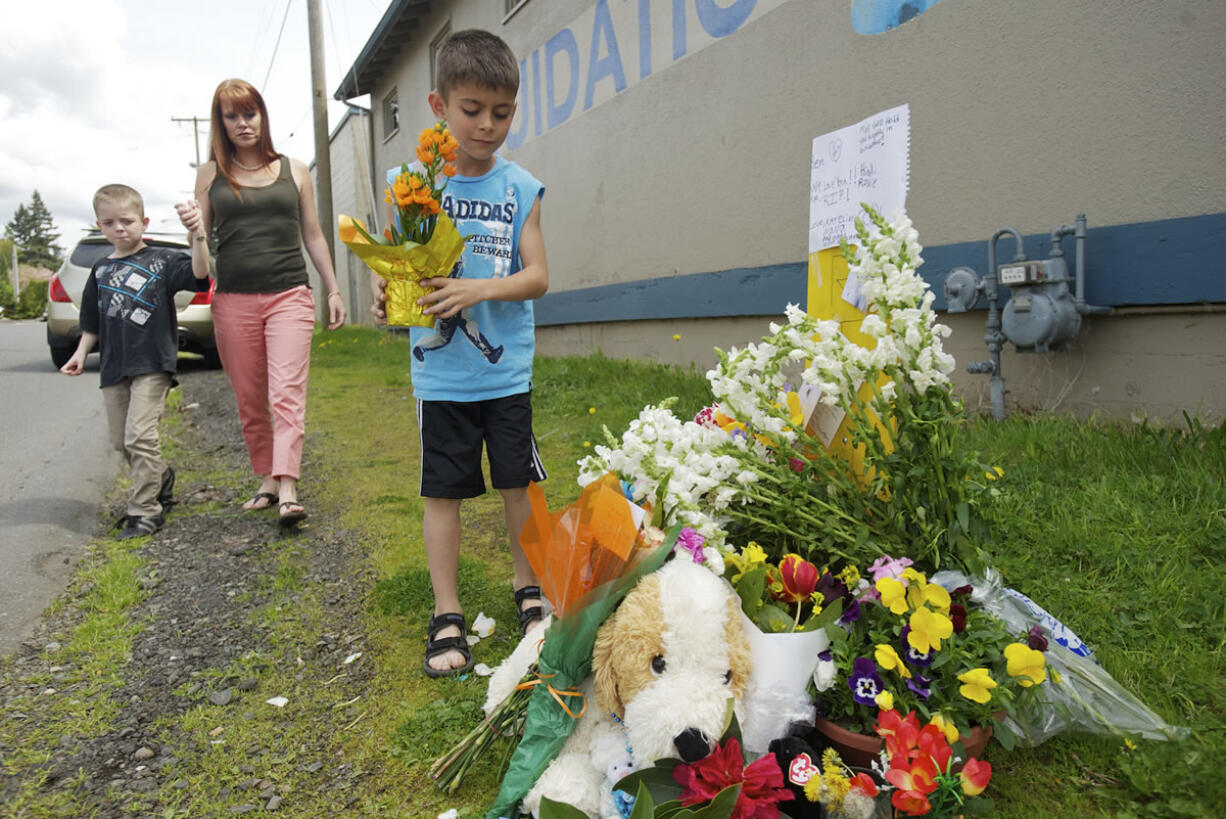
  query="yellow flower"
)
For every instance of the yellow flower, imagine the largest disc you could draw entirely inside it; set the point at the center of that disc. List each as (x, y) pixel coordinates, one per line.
(994, 473)
(676, 336)
(753, 554)
(850, 577)
(1024, 661)
(977, 685)
(1129, 744)
(885, 700)
(893, 594)
(888, 659)
(921, 591)
(928, 629)
(794, 409)
(587, 444)
(946, 726)
(816, 599)
(591, 410)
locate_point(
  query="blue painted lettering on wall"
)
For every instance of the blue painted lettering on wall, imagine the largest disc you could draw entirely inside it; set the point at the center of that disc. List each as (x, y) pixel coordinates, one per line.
(612, 46)
(876, 16)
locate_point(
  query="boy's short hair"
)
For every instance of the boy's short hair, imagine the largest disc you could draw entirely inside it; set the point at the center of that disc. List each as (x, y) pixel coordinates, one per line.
(119, 194)
(476, 57)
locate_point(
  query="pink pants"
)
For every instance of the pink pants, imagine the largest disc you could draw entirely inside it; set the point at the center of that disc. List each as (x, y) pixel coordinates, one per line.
(264, 340)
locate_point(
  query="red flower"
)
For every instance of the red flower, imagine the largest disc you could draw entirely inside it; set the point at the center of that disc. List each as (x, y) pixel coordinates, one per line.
(957, 615)
(863, 783)
(975, 776)
(762, 786)
(799, 578)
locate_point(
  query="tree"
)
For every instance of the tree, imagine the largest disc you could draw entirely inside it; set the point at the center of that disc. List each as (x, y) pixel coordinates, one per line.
(33, 229)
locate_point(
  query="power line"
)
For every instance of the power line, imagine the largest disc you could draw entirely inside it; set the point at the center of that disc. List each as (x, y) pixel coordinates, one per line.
(276, 45)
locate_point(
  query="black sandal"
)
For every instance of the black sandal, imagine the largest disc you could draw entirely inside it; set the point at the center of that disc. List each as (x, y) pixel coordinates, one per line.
(532, 614)
(288, 519)
(441, 645)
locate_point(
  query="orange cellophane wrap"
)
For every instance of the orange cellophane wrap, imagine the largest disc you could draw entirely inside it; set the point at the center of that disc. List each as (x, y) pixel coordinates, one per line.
(586, 544)
(404, 266)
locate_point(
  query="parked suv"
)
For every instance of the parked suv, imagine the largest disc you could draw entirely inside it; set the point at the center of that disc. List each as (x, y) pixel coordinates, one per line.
(64, 300)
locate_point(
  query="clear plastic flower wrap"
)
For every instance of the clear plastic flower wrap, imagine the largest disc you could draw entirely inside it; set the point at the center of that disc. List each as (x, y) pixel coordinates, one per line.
(1080, 694)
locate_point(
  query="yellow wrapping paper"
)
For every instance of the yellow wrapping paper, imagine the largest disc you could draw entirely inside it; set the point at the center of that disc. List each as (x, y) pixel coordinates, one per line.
(404, 266)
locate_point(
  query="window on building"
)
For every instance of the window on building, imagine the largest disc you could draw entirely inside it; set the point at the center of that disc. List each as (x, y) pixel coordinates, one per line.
(434, 47)
(512, 6)
(391, 114)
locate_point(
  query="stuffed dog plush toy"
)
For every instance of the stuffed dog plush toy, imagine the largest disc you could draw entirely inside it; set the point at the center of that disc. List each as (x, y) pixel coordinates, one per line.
(664, 666)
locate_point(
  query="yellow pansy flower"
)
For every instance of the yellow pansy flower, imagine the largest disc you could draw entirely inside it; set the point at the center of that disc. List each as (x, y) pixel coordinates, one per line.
(795, 415)
(888, 659)
(893, 595)
(928, 629)
(946, 727)
(977, 685)
(1023, 661)
(885, 700)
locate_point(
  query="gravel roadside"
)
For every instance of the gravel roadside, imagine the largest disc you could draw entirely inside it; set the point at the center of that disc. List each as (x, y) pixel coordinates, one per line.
(208, 578)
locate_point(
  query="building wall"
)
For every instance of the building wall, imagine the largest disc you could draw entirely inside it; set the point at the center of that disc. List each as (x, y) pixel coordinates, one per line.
(352, 195)
(679, 196)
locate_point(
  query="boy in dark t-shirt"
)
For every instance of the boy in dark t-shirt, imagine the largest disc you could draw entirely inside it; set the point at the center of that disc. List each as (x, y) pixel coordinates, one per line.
(128, 304)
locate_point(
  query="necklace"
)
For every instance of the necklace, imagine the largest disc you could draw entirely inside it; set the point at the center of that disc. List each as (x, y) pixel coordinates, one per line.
(234, 159)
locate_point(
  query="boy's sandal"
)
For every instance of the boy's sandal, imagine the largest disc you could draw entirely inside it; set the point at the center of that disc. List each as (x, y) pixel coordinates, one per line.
(530, 615)
(441, 645)
(269, 499)
(291, 518)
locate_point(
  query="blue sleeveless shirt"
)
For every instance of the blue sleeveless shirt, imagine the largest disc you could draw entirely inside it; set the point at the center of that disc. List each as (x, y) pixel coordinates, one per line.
(485, 351)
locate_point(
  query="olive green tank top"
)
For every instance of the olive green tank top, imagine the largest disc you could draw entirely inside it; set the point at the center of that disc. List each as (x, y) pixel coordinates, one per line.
(258, 237)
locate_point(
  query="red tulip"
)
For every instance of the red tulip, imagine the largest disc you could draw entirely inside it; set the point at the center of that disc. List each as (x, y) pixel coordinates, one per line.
(975, 776)
(799, 578)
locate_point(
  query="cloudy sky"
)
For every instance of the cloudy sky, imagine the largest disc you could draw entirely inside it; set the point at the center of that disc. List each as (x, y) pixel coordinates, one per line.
(88, 90)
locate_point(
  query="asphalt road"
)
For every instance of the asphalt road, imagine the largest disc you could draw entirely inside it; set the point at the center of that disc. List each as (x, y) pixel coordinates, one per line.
(55, 468)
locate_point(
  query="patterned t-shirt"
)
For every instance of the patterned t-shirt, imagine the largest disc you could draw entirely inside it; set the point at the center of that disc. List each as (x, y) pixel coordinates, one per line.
(129, 304)
(486, 351)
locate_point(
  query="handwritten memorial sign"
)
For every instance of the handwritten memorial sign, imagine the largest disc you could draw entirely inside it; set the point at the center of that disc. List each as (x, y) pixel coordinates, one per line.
(865, 162)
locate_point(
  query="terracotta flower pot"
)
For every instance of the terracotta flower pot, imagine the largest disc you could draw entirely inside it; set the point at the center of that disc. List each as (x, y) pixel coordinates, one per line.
(859, 750)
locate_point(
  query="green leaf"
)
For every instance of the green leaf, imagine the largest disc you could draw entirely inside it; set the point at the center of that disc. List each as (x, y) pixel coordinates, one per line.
(658, 779)
(644, 805)
(772, 620)
(826, 617)
(964, 515)
(559, 810)
(1004, 735)
(722, 805)
(750, 588)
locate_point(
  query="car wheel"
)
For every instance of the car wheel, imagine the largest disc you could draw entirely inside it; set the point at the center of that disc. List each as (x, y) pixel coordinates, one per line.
(60, 355)
(212, 359)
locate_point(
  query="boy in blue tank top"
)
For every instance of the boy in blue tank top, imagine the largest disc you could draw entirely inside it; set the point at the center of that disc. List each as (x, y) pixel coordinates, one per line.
(472, 371)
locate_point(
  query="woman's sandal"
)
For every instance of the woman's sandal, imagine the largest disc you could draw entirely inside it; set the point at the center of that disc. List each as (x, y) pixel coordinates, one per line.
(288, 519)
(269, 499)
(441, 645)
(530, 615)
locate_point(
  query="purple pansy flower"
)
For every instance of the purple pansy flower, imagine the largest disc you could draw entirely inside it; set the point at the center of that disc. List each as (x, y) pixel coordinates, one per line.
(921, 685)
(918, 659)
(865, 682)
(1035, 639)
(851, 613)
(691, 541)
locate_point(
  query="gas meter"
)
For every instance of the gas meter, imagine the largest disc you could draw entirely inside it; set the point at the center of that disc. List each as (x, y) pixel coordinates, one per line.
(1041, 315)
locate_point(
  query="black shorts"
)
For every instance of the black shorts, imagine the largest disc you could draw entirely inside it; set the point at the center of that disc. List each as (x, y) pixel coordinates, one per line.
(452, 434)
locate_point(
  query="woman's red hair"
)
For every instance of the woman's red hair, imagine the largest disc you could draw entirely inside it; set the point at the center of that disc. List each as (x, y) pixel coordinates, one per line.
(242, 97)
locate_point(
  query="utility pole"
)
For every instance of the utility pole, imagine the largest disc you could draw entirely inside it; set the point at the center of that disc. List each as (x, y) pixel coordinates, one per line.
(195, 121)
(16, 275)
(319, 106)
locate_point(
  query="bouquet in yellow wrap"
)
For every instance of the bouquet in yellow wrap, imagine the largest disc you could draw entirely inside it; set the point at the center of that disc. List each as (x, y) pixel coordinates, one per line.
(422, 242)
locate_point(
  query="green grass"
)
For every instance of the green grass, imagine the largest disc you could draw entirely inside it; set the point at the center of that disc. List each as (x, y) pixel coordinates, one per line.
(1115, 529)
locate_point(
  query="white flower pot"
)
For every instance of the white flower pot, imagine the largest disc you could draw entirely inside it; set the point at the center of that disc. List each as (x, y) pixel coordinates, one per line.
(777, 694)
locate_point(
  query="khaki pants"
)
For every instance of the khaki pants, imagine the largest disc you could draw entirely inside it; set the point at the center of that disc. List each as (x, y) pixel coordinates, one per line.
(133, 412)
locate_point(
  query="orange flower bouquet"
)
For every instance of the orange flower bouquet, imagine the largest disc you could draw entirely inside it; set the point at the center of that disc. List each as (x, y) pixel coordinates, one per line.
(422, 242)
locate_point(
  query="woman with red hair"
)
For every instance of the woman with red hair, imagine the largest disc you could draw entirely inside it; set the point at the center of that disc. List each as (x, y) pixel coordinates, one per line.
(255, 210)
